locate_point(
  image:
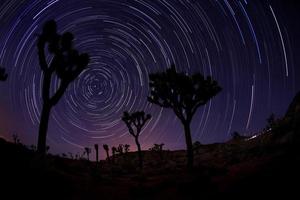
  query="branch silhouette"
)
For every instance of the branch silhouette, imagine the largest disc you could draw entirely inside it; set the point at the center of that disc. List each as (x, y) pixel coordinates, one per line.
(184, 94)
(67, 64)
(135, 122)
(3, 74)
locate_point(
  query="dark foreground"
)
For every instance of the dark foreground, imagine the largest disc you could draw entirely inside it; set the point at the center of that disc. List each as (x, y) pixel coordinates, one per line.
(267, 166)
(236, 169)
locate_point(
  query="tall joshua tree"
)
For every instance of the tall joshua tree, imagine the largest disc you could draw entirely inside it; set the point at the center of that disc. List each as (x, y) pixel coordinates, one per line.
(106, 148)
(97, 152)
(3, 75)
(135, 122)
(184, 94)
(87, 151)
(66, 63)
(113, 151)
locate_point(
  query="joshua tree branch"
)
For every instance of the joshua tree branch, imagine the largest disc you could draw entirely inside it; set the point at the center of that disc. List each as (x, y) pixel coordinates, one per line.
(59, 93)
(41, 53)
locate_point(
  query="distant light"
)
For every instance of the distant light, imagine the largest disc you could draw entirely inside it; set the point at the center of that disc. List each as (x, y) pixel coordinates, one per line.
(255, 136)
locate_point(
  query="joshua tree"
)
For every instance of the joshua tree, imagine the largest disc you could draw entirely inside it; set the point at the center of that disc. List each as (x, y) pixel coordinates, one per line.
(16, 138)
(87, 151)
(126, 148)
(97, 151)
(135, 122)
(47, 148)
(106, 148)
(196, 146)
(3, 75)
(271, 121)
(32, 147)
(66, 63)
(158, 148)
(114, 150)
(71, 155)
(120, 149)
(184, 94)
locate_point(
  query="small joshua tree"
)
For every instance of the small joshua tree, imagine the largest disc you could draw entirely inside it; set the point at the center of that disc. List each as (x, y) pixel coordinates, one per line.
(106, 148)
(113, 150)
(120, 149)
(71, 155)
(184, 94)
(3, 75)
(16, 138)
(135, 122)
(126, 148)
(97, 151)
(271, 121)
(87, 152)
(196, 146)
(66, 63)
(237, 136)
(32, 147)
(47, 148)
(158, 148)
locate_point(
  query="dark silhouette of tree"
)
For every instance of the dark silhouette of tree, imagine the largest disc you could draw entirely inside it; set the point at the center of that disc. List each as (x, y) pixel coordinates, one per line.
(271, 121)
(158, 148)
(66, 63)
(47, 148)
(106, 148)
(120, 149)
(71, 155)
(16, 139)
(87, 152)
(135, 122)
(32, 147)
(97, 152)
(126, 148)
(184, 94)
(3, 75)
(237, 136)
(114, 151)
(196, 146)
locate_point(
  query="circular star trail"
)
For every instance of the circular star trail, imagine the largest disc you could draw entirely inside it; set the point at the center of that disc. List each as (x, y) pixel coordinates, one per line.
(244, 45)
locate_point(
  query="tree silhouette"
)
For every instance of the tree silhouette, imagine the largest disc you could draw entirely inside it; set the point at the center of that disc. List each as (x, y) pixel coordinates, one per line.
(3, 75)
(158, 148)
(16, 139)
(67, 63)
(88, 151)
(106, 148)
(126, 148)
(196, 147)
(113, 150)
(97, 152)
(120, 149)
(135, 123)
(184, 94)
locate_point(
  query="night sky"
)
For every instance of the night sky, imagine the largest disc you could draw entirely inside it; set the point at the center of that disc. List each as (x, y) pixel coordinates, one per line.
(249, 46)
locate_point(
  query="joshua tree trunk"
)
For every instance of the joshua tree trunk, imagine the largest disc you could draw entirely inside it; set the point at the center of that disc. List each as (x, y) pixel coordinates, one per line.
(41, 148)
(97, 158)
(107, 155)
(139, 153)
(189, 145)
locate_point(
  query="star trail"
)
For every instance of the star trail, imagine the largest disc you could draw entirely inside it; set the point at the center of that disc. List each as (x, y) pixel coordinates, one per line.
(243, 44)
